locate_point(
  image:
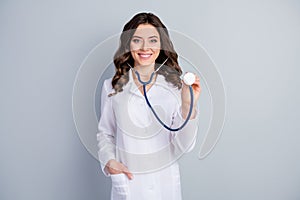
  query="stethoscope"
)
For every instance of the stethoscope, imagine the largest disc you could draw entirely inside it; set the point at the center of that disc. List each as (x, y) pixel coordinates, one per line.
(189, 78)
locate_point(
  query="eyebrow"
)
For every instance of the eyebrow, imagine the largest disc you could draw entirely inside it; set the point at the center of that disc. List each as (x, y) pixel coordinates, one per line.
(154, 36)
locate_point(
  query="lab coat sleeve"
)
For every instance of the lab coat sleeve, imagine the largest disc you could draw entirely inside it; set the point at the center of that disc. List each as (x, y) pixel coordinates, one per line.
(184, 140)
(106, 128)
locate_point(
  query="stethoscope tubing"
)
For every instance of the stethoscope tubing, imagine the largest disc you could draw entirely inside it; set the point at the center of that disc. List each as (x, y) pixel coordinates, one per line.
(145, 83)
(160, 121)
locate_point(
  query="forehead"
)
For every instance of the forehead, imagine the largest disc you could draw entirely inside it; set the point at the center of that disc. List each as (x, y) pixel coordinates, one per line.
(146, 30)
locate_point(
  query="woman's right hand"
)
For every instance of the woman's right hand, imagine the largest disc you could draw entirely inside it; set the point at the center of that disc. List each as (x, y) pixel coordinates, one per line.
(115, 167)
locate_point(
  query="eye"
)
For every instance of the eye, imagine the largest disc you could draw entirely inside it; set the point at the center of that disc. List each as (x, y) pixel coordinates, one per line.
(135, 40)
(153, 40)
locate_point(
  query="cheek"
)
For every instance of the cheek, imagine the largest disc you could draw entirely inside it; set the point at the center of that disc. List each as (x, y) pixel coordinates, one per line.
(156, 48)
(134, 47)
(157, 51)
(133, 54)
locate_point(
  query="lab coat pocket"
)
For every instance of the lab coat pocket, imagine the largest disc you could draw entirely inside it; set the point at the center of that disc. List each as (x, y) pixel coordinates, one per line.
(120, 188)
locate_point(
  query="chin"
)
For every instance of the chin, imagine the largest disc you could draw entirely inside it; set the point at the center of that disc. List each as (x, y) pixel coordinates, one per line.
(145, 63)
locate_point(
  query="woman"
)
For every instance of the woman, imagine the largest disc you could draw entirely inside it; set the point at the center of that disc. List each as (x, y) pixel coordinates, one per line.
(134, 149)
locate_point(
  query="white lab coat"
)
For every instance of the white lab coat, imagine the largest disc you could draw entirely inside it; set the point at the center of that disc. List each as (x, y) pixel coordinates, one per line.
(129, 133)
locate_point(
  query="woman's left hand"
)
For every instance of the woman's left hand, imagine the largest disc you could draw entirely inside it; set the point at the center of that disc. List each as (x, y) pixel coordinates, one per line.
(186, 99)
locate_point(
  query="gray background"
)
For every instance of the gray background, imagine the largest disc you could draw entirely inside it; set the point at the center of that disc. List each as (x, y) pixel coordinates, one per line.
(255, 45)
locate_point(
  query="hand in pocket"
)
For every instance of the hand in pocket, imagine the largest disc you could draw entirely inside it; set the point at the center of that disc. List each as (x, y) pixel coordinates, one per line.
(115, 167)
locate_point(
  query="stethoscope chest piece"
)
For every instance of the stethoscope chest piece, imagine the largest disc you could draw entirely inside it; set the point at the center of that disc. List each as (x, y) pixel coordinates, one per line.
(189, 78)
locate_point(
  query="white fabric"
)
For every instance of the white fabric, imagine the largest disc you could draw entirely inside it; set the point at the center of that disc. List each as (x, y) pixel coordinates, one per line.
(124, 117)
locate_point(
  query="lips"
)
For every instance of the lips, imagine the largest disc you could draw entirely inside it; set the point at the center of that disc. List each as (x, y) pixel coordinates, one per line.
(144, 55)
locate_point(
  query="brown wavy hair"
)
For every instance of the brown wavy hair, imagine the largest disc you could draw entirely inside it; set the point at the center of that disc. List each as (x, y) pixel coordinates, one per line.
(171, 70)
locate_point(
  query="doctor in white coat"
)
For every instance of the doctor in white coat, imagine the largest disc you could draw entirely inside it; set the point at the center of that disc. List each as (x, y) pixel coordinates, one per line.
(134, 149)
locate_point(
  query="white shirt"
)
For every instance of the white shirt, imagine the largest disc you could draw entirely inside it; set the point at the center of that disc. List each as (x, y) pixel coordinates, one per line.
(129, 133)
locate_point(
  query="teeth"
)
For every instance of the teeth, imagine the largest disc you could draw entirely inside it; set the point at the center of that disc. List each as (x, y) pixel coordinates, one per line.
(145, 55)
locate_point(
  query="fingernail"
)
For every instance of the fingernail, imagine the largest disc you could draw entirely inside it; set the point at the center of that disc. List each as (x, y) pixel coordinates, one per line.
(131, 177)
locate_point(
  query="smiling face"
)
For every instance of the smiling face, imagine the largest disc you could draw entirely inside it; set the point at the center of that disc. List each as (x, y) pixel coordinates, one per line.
(145, 45)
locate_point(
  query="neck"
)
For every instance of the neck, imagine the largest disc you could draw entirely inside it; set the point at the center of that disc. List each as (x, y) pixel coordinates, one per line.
(145, 71)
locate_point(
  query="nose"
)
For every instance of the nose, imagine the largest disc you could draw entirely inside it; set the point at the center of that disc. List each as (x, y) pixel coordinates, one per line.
(145, 45)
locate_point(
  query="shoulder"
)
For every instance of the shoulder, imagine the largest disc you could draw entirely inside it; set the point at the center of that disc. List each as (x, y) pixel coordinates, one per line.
(168, 88)
(162, 80)
(106, 86)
